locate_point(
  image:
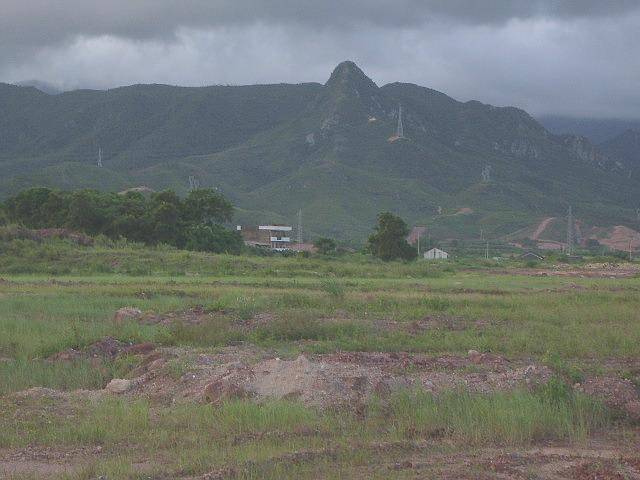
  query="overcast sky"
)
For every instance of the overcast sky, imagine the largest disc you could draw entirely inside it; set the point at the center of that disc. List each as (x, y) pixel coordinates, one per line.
(574, 57)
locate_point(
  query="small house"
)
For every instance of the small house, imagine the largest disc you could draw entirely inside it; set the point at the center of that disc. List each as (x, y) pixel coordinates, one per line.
(436, 254)
(273, 237)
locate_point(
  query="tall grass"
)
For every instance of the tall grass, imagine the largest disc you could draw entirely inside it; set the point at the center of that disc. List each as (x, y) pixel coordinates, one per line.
(250, 437)
(514, 418)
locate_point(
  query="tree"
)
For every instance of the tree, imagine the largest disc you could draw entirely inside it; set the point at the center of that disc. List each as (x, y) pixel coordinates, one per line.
(206, 206)
(389, 240)
(325, 245)
(90, 211)
(213, 238)
(38, 207)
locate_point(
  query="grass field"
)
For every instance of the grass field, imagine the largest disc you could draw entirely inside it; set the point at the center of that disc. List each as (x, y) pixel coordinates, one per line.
(581, 330)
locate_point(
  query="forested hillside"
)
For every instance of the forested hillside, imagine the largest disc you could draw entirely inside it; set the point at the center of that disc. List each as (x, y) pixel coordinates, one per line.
(328, 150)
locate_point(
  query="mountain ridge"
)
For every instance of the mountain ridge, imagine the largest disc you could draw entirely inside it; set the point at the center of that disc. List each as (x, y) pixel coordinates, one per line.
(323, 148)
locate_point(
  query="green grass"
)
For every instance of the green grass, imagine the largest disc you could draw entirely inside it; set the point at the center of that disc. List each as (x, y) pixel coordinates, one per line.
(287, 306)
(246, 437)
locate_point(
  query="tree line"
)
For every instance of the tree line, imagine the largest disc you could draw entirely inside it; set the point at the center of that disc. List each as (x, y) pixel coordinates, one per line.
(194, 222)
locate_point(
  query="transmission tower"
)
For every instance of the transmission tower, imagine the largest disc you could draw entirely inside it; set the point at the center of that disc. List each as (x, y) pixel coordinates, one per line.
(570, 231)
(300, 230)
(486, 174)
(194, 184)
(400, 131)
(100, 157)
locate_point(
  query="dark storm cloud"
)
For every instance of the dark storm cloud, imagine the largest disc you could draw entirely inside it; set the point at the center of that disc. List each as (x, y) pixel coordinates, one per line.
(39, 21)
(557, 56)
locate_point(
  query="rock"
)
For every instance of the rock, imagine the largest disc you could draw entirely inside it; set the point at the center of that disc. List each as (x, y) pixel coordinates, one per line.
(127, 313)
(475, 356)
(221, 390)
(119, 385)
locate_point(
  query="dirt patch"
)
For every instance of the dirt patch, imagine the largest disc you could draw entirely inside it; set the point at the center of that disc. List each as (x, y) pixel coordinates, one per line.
(107, 348)
(323, 380)
(464, 211)
(615, 392)
(600, 270)
(195, 315)
(601, 470)
(259, 320)
(430, 323)
(542, 226)
(619, 238)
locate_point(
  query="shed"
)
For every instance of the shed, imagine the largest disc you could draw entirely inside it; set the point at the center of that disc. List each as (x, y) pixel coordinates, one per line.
(436, 254)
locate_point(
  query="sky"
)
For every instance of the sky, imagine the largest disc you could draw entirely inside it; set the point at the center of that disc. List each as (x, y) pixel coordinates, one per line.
(566, 57)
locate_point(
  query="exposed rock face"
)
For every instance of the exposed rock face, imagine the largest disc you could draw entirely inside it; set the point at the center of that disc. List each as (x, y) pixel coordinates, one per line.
(524, 148)
(582, 148)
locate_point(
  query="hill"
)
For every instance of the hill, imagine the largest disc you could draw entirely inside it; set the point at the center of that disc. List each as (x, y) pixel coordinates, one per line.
(624, 148)
(325, 149)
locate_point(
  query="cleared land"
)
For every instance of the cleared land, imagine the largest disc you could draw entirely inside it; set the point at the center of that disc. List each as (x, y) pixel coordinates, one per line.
(236, 367)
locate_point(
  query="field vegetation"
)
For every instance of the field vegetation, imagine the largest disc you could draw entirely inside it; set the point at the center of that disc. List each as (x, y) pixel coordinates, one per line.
(56, 421)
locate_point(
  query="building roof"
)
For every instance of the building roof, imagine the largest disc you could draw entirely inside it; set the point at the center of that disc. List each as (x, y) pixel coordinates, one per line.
(279, 228)
(532, 254)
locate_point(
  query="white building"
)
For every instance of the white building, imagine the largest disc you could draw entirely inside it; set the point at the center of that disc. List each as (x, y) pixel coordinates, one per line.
(274, 237)
(436, 254)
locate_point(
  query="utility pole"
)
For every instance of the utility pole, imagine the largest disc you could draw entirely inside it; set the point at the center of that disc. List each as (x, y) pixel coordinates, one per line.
(570, 231)
(486, 174)
(100, 157)
(486, 252)
(630, 257)
(418, 243)
(194, 184)
(300, 230)
(400, 131)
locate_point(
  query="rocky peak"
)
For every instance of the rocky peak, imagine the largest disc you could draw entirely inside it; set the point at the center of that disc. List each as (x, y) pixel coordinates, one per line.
(347, 75)
(350, 98)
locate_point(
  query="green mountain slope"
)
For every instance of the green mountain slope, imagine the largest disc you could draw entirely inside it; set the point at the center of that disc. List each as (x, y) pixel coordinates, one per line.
(624, 148)
(328, 150)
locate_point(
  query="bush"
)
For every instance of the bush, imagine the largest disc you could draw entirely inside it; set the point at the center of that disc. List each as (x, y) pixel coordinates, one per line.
(325, 245)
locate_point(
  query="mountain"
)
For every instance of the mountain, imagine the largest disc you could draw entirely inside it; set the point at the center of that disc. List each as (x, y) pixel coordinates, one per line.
(624, 148)
(597, 130)
(329, 150)
(40, 85)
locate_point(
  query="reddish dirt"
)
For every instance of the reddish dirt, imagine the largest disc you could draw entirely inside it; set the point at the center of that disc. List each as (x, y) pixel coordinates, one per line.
(47, 233)
(620, 238)
(596, 270)
(541, 228)
(323, 380)
(106, 349)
